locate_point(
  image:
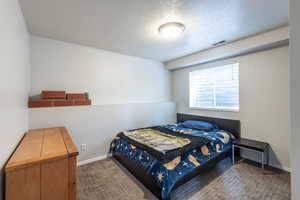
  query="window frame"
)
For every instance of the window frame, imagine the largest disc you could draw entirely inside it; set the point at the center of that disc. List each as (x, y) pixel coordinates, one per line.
(223, 109)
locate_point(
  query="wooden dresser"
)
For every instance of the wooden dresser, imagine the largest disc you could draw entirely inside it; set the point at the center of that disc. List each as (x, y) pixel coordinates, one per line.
(43, 167)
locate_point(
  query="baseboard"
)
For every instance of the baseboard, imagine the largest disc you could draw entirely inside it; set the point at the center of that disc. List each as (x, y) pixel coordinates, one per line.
(284, 168)
(84, 162)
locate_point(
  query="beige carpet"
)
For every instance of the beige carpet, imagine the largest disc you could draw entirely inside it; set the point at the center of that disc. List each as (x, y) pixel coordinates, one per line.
(107, 180)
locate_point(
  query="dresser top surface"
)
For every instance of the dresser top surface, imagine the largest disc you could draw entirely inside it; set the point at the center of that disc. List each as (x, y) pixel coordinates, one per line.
(42, 145)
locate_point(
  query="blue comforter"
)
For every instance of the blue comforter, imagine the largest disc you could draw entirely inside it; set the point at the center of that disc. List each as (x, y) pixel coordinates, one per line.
(166, 175)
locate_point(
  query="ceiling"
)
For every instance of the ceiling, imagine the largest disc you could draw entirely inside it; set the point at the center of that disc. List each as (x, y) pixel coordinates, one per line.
(130, 26)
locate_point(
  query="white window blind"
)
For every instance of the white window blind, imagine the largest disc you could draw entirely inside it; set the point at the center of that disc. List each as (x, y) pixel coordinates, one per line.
(215, 88)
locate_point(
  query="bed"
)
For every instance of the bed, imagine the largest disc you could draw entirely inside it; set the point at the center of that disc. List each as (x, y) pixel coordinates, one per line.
(163, 172)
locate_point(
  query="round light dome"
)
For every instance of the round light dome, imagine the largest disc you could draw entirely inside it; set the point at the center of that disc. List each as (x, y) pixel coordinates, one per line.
(171, 30)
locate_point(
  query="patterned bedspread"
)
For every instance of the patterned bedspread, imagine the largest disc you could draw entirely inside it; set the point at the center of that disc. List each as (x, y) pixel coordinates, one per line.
(157, 140)
(167, 174)
(162, 143)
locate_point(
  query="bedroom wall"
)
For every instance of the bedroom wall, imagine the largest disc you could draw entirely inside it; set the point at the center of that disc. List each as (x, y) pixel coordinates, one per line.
(264, 100)
(295, 97)
(14, 79)
(127, 92)
(110, 78)
(97, 125)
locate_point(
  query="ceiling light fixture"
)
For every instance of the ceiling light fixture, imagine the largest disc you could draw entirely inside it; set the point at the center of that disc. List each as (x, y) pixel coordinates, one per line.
(171, 30)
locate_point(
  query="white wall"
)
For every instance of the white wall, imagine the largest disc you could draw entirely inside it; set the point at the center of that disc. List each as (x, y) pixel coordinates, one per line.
(97, 125)
(264, 99)
(295, 96)
(127, 92)
(14, 78)
(110, 78)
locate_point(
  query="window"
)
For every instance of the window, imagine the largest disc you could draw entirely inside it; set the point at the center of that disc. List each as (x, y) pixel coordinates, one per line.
(215, 88)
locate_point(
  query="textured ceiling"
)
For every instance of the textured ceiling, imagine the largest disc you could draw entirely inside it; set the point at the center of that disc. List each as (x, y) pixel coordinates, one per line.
(130, 26)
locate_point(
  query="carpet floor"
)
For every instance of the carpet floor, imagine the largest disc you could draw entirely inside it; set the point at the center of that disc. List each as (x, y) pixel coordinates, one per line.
(108, 180)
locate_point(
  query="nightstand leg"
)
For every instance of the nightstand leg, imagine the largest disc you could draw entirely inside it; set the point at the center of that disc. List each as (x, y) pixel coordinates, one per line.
(263, 160)
(268, 154)
(233, 154)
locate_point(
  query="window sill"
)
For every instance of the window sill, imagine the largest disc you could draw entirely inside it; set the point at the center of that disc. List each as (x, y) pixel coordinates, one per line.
(216, 109)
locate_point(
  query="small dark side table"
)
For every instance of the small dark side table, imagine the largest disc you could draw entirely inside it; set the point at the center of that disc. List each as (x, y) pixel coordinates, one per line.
(253, 145)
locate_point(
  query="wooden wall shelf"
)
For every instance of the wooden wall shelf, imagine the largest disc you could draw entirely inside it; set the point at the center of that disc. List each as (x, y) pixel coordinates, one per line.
(57, 103)
(58, 99)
